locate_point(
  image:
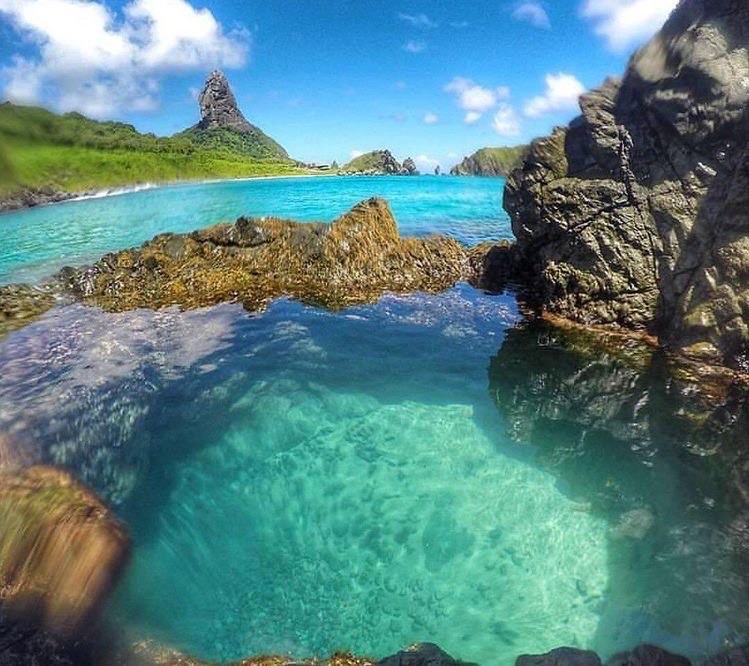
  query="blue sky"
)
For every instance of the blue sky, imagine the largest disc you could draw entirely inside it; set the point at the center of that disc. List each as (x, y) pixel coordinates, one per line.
(434, 80)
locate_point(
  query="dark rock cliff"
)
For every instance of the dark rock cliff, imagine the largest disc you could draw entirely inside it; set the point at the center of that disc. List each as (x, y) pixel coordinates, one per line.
(637, 214)
(218, 106)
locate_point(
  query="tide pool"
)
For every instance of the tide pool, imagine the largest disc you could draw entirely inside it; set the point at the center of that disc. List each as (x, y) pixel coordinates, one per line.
(300, 481)
(38, 242)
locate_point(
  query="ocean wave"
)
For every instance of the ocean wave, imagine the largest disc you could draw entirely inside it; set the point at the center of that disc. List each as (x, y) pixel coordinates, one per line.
(115, 191)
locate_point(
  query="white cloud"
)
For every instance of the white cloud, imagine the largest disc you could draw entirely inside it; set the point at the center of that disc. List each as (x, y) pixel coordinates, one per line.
(562, 93)
(475, 99)
(95, 61)
(356, 153)
(431, 118)
(506, 121)
(424, 163)
(532, 12)
(414, 47)
(627, 23)
(459, 25)
(418, 20)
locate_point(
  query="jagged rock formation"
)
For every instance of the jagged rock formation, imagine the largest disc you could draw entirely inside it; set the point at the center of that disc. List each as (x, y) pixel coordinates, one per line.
(377, 162)
(493, 162)
(354, 259)
(222, 124)
(218, 106)
(408, 167)
(637, 214)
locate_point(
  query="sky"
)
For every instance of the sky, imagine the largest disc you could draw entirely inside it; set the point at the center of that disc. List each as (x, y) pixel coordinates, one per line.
(328, 79)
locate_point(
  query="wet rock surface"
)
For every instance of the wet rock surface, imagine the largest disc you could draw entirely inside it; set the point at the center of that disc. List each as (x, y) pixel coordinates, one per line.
(648, 655)
(636, 214)
(61, 550)
(560, 657)
(22, 303)
(352, 260)
(420, 654)
(31, 197)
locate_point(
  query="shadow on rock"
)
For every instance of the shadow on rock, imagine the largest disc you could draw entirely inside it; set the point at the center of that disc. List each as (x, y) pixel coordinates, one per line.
(662, 456)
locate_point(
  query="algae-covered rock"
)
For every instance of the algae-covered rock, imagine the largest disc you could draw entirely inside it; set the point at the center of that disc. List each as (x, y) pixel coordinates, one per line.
(637, 214)
(61, 550)
(22, 303)
(352, 260)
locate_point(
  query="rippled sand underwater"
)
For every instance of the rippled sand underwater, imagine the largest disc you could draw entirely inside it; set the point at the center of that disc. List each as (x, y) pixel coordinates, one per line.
(300, 481)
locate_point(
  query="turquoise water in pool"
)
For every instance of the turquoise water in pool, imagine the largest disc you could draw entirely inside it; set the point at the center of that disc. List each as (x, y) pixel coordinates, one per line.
(422, 468)
(38, 242)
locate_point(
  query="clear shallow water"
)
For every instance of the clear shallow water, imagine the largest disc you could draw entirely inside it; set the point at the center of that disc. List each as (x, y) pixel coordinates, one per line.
(38, 242)
(418, 469)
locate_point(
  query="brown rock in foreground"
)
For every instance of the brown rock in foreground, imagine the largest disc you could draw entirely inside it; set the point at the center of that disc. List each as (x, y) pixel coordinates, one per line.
(352, 260)
(61, 550)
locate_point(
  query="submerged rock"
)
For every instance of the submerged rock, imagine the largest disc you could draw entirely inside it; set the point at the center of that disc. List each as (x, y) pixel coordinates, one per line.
(420, 654)
(560, 657)
(736, 657)
(61, 550)
(657, 452)
(637, 214)
(648, 655)
(352, 260)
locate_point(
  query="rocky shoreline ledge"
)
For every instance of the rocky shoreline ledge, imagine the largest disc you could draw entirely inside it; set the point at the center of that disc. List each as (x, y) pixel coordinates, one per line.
(352, 260)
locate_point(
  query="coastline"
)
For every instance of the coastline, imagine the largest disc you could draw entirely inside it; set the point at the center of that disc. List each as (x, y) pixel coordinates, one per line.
(29, 198)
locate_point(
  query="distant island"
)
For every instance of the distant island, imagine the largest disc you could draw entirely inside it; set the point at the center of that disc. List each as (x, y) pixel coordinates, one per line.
(490, 162)
(379, 163)
(46, 157)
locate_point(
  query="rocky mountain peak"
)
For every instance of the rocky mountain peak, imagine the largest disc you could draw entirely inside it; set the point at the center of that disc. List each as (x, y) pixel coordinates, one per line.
(218, 106)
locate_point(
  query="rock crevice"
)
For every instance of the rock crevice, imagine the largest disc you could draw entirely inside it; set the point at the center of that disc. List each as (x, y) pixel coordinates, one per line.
(637, 214)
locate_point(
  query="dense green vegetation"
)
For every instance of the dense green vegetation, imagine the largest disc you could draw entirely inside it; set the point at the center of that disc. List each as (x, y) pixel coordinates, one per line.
(378, 160)
(255, 143)
(491, 162)
(40, 150)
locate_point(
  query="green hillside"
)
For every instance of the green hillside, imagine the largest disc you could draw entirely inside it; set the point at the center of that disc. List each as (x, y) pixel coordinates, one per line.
(49, 152)
(490, 162)
(254, 144)
(376, 161)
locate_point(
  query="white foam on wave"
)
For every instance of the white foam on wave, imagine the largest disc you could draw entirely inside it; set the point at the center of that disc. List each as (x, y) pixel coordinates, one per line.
(115, 191)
